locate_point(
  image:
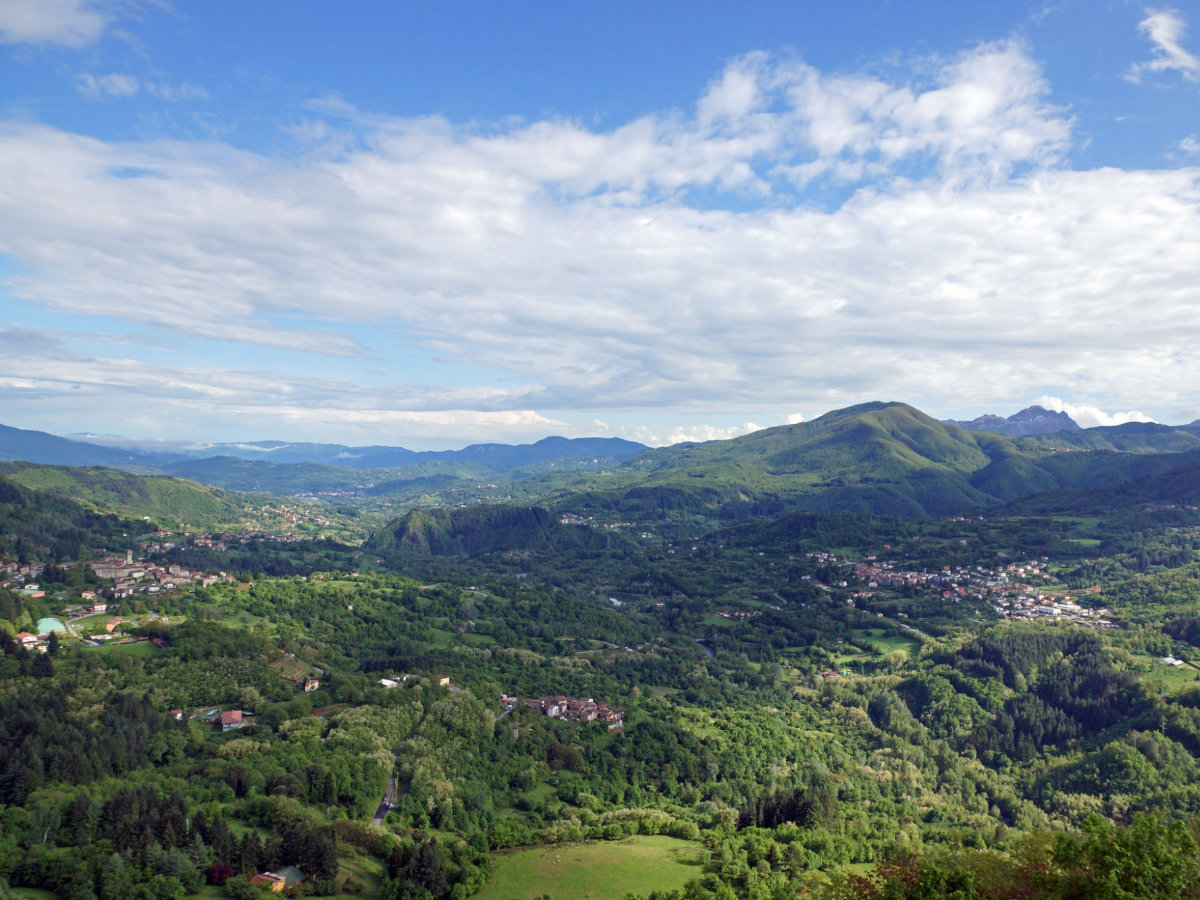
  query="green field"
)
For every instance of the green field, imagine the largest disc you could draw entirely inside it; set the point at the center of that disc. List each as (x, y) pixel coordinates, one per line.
(1169, 679)
(597, 870)
(882, 640)
(141, 648)
(360, 875)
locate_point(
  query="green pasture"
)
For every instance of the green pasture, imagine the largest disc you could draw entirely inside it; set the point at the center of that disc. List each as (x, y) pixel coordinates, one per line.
(602, 869)
(882, 641)
(140, 649)
(360, 875)
(470, 637)
(242, 618)
(1168, 679)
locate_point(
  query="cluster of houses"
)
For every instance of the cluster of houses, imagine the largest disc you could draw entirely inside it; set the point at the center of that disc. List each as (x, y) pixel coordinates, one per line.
(575, 709)
(130, 576)
(741, 615)
(1013, 590)
(222, 540)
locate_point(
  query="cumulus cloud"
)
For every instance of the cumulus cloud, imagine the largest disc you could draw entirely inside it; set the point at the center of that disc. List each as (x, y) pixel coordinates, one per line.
(659, 437)
(967, 259)
(1166, 29)
(72, 23)
(1090, 416)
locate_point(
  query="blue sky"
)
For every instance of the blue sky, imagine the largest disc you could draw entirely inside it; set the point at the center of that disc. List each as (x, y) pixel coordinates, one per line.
(430, 224)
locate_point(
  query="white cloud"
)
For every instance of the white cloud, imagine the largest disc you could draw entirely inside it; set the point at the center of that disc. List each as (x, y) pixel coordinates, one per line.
(1190, 146)
(658, 437)
(35, 370)
(966, 262)
(1090, 416)
(1166, 29)
(114, 84)
(72, 23)
(793, 418)
(983, 116)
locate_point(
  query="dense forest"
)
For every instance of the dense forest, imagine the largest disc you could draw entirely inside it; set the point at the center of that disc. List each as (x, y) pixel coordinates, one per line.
(1005, 704)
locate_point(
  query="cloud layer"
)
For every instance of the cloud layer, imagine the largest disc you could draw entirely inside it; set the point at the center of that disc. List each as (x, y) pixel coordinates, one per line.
(798, 240)
(72, 23)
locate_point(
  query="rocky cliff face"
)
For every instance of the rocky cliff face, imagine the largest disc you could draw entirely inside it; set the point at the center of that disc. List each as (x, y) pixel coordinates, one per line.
(1032, 420)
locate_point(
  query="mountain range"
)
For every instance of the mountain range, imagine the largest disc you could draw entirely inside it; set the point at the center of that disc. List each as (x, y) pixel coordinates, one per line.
(1031, 420)
(884, 458)
(881, 458)
(201, 462)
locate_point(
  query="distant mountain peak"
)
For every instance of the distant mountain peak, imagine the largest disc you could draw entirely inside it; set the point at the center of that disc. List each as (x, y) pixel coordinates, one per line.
(1031, 420)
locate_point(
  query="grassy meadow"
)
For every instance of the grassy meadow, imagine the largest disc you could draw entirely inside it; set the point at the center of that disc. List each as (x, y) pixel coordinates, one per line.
(594, 870)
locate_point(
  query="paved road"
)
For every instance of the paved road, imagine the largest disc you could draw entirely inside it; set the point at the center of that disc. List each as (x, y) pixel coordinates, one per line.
(385, 805)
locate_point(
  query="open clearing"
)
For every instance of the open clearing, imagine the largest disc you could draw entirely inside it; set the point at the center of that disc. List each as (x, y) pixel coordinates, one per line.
(603, 869)
(882, 640)
(140, 648)
(1168, 679)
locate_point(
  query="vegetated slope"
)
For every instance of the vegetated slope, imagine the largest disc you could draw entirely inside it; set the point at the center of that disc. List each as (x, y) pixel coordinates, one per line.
(607, 451)
(882, 459)
(255, 476)
(878, 458)
(48, 449)
(1132, 437)
(159, 498)
(1177, 485)
(483, 529)
(37, 526)
(451, 471)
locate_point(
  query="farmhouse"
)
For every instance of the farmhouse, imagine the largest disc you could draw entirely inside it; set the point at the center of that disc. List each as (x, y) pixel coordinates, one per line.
(281, 880)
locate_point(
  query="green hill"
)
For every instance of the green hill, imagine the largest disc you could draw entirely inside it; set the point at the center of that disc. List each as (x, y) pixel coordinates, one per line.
(163, 500)
(880, 458)
(1132, 437)
(483, 529)
(36, 526)
(1173, 484)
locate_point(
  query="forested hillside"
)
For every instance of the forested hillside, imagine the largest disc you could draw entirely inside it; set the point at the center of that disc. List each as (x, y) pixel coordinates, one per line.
(878, 458)
(739, 702)
(484, 529)
(41, 527)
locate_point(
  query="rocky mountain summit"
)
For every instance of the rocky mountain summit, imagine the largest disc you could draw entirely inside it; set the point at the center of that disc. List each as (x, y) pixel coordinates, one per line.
(1031, 420)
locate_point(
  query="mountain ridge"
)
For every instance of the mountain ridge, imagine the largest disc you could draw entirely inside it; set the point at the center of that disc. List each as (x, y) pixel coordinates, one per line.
(1031, 420)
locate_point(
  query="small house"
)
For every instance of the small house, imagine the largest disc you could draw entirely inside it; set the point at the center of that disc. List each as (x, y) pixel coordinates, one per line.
(231, 719)
(281, 880)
